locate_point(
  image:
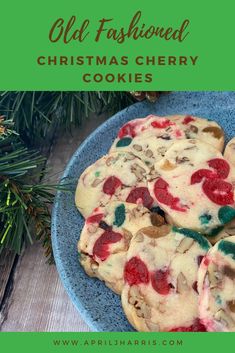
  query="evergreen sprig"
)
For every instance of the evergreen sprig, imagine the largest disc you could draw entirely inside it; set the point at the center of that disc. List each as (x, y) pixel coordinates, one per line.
(37, 114)
(24, 202)
(25, 215)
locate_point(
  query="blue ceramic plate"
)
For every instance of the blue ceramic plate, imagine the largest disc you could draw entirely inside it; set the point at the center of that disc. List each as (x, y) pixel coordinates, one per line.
(97, 304)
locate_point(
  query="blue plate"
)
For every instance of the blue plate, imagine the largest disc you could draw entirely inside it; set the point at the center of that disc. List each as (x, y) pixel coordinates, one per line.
(97, 304)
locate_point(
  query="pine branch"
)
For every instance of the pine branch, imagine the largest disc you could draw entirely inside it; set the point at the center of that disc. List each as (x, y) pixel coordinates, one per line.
(37, 114)
(25, 215)
(24, 205)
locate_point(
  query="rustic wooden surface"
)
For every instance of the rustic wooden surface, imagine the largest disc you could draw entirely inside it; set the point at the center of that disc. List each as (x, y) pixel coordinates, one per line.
(6, 262)
(38, 301)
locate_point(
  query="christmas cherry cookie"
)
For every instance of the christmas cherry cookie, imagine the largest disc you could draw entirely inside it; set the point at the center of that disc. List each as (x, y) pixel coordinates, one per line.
(150, 138)
(229, 152)
(194, 186)
(229, 155)
(105, 239)
(117, 176)
(216, 285)
(160, 291)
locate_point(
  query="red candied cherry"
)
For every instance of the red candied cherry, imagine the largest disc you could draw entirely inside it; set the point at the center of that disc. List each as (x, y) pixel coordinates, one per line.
(221, 166)
(218, 191)
(101, 247)
(161, 123)
(136, 272)
(127, 130)
(111, 184)
(159, 280)
(140, 193)
(200, 174)
(197, 326)
(96, 218)
(164, 196)
(161, 184)
(188, 119)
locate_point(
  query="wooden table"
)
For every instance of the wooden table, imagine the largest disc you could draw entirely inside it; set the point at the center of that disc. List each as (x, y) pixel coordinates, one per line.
(37, 299)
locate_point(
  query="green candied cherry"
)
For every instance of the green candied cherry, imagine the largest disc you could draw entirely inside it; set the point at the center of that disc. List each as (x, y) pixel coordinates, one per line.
(226, 214)
(125, 141)
(194, 235)
(120, 215)
(227, 247)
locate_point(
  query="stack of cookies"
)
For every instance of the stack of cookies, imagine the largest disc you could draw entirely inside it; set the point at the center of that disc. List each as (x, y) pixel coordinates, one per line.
(160, 223)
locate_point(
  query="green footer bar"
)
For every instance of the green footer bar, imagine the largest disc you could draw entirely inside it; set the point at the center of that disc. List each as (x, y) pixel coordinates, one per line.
(115, 342)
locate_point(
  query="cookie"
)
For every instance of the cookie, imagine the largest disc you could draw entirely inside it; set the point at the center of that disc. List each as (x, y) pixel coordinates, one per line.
(105, 239)
(229, 152)
(229, 155)
(116, 176)
(194, 186)
(160, 273)
(216, 285)
(150, 137)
